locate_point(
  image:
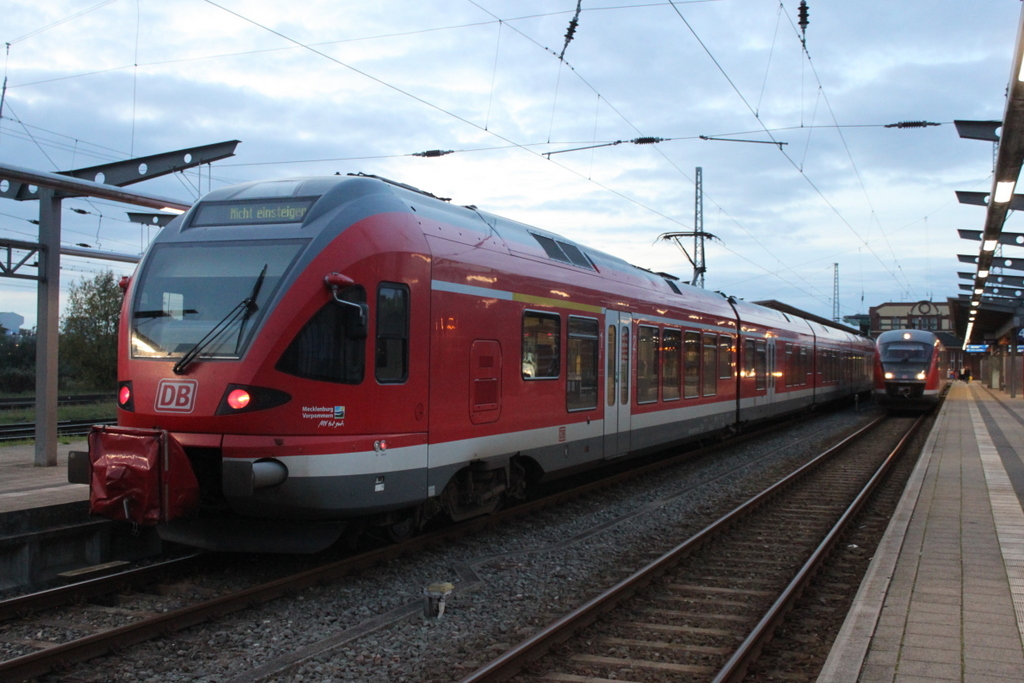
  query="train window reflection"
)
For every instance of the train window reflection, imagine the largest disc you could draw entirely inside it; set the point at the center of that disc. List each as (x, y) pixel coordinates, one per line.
(691, 365)
(612, 357)
(761, 364)
(710, 385)
(725, 357)
(329, 347)
(670, 372)
(647, 364)
(187, 290)
(392, 333)
(541, 345)
(581, 364)
(905, 352)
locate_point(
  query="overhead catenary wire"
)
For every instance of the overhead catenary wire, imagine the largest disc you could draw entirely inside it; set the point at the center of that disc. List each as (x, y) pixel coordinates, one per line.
(519, 145)
(813, 185)
(661, 153)
(615, 192)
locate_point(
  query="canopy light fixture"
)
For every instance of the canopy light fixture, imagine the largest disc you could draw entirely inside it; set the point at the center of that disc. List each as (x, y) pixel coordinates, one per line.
(1004, 191)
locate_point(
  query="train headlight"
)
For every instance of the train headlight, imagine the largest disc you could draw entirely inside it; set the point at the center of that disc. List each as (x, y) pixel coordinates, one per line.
(242, 398)
(889, 375)
(125, 397)
(920, 375)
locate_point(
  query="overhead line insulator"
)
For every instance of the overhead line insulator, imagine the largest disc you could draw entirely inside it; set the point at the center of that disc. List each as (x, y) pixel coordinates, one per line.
(646, 141)
(912, 124)
(433, 153)
(573, 23)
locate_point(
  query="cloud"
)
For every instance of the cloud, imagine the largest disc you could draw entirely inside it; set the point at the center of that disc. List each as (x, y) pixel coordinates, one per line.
(381, 81)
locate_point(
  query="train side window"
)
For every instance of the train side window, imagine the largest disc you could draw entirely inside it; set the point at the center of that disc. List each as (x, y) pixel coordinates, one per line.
(647, 364)
(541, 345)
(805, 365)
(673, 345)
(392, 333)
(761, 364)
(748, 358)
(710, 385)
(691, 365)
(788, 368)
(331, 346)
(725, 362)
(582, 364)
(624, 364)
(610, 374)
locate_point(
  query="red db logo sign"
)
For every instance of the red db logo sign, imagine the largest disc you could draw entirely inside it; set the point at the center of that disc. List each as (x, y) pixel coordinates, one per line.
(176, 395)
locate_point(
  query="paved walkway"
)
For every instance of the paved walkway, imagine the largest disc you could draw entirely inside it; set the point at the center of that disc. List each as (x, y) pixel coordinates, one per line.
(24, 486)
(943, 599)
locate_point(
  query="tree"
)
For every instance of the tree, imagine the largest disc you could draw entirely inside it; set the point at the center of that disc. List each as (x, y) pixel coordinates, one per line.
(88, 342)
(17, 362)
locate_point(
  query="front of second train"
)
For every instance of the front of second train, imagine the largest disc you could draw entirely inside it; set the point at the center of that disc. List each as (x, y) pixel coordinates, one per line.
(910, 369)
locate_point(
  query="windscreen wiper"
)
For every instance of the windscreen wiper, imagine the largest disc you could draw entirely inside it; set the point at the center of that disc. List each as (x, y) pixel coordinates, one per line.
(250, 306)
(246, 306)
(160, 313)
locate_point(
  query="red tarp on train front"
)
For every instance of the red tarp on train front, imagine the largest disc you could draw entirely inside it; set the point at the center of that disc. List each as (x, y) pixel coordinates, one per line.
(140, 475)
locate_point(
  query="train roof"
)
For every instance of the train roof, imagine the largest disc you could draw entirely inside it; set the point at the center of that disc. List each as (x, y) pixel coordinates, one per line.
(520, 239)
(923, 336)
(331, 194)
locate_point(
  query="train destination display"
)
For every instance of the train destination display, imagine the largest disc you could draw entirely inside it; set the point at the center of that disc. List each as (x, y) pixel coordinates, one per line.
(252, 212)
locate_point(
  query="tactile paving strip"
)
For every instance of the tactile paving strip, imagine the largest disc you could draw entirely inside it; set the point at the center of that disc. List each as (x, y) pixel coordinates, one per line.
(1006, 509)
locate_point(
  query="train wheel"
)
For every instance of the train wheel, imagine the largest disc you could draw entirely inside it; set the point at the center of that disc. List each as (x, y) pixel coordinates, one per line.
(462, 502)
(402, 530)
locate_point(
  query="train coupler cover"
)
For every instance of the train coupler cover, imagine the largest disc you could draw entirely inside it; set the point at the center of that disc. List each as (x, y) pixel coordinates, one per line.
(139, 475)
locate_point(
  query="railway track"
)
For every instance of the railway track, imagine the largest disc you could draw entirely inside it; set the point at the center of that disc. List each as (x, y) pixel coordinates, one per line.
(683, 614)
(12, 403)
(158, 607)
(27, 430)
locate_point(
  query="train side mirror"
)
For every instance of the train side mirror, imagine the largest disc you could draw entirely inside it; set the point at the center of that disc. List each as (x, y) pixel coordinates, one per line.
(338, 283)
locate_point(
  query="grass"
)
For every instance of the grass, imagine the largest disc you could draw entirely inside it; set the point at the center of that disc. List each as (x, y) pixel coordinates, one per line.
(104, 410)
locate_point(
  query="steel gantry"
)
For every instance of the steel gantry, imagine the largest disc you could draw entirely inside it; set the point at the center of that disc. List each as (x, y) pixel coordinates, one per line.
(50, 189)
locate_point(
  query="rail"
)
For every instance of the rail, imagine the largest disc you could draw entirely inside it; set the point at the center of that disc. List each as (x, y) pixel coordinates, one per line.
(27, 430)
(513, 661)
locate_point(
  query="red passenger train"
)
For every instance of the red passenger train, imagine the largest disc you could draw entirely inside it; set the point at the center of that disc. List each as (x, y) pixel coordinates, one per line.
(301, 355)
(911, 369)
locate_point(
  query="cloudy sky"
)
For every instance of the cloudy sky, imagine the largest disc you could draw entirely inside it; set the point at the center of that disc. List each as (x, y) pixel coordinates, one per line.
(802, 172)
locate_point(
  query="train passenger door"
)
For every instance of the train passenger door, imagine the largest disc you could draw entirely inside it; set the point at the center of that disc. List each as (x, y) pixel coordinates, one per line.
(617, 362)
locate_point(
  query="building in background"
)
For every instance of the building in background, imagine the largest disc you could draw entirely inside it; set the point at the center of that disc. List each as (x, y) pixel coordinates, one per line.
(921, 315)
(11, 322)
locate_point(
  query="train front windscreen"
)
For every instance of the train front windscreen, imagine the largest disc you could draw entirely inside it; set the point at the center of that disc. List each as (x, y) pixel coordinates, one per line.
(206, 298)
(905, 352)
(905, 359)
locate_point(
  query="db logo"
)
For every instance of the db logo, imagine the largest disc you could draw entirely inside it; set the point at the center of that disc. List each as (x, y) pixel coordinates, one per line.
(176, 395)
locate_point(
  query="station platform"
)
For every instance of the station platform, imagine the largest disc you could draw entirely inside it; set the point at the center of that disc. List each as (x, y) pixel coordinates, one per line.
(943, 599)
(24, 486)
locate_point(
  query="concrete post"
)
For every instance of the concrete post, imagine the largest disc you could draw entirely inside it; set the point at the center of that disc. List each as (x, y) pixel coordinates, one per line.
(47, 328)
